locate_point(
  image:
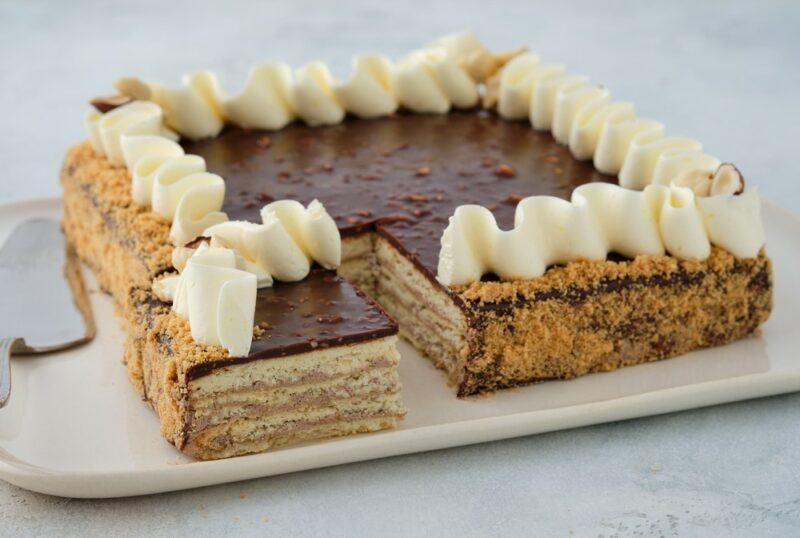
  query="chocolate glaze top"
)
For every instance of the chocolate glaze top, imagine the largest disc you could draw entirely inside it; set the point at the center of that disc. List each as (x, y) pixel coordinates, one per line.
(403, 175)
(319, 312)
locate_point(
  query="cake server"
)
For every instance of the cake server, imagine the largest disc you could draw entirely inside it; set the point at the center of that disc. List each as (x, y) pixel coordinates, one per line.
(43, 302)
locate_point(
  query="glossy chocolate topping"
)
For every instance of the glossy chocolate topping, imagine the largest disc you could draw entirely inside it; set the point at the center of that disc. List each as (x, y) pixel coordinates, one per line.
(319, 312)
(403, 175)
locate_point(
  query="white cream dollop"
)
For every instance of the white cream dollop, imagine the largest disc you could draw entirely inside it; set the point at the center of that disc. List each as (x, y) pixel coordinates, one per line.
(600, 218)
(186, 195)
(733, 222)
(283, 247)
(193, 109)
(370, 91)
(144, 155)
(135, 147)
(431, 81)
(136, 118)
(314, 98)
(215, 297)
(175, 186)
(266, 102)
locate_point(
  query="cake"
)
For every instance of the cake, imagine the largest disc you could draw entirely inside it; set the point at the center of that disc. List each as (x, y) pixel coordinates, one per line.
(508, 255)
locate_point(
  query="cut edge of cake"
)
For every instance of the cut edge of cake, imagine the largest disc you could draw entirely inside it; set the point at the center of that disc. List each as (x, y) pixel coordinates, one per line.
(332, 391)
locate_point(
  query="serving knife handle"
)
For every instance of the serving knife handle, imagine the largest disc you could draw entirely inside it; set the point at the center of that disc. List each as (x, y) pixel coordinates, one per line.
(7, 345)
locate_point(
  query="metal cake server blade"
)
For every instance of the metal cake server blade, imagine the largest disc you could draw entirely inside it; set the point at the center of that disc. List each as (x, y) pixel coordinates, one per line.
(43, 302)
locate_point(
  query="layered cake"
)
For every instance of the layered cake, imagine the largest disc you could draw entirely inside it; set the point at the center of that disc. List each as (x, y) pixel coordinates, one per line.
(513, 222)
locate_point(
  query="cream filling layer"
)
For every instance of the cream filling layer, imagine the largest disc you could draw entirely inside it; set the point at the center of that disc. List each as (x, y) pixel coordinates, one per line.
(247, 429)
(262, 403)
(330, 362)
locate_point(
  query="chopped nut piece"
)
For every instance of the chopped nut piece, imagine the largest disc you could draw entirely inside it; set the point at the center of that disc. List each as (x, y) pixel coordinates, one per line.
(727, 180)
(419, 213)
(482, 64)
(503, 170)
(196, 242)
(423, 171)
(508, 55)
(487, 68)
(330, 318)
(134, 88)
(109, 102)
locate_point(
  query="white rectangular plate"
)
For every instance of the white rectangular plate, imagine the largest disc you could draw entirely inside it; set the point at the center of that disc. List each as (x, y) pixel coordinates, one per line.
(75, 427)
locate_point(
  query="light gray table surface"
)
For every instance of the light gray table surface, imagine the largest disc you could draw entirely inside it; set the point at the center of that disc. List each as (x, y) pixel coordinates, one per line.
(726, 73)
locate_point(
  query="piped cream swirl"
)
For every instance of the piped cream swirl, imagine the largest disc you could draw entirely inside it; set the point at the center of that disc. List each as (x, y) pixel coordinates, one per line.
(429, 80)
(370, 91)
(136, 118)
(266, 102)
(600, 218)
(216, 297)
(285, 244)
(193, 109)
(175, 186)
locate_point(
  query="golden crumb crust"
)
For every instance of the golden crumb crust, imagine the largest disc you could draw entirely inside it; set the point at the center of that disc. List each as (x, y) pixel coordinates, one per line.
(127, 246)
(587, 274)
(598, 316)
(107, 188)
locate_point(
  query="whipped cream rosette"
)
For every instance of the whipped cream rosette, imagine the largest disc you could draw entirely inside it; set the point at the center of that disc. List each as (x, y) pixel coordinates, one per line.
(216, 297)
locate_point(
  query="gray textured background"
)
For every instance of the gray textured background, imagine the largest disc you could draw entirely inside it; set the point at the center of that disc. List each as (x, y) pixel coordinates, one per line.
(726, 73)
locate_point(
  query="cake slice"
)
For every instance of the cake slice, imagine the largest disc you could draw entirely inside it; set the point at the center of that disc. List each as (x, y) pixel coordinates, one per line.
(323, 361)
